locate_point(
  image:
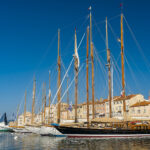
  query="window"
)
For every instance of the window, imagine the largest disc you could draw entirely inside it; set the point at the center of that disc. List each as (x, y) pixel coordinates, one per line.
(139, 111)
(144, 110)
(119, 108)
(133, 111)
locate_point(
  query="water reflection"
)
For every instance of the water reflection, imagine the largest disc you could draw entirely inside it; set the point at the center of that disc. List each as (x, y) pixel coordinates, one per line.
(10, 141)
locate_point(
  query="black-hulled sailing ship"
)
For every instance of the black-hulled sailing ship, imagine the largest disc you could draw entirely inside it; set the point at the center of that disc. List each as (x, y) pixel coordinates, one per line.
(103, 127)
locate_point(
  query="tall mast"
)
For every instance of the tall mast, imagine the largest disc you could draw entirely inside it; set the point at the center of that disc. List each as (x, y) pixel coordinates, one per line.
(17, 115)
(122, 65)
(33, 102)
(122, 58)
(106, 35)
(49, 100)
(90, 26)
(109, 71)
(76, 77)
(67, 100)
(25, 107)
(92, 59)
(44, 102)
(59, 92)
(87, 76)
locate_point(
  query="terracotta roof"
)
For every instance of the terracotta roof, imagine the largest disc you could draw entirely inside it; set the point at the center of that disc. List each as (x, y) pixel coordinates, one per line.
(143, 103)
(120, 98)
(96, 102)
(115, 98)
(105, 100)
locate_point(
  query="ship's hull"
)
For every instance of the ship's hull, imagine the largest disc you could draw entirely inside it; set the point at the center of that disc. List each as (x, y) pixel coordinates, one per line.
(5, 129)
(50, 131)
(107, 136)
(33, 129)
(21, 130)
(73, 132)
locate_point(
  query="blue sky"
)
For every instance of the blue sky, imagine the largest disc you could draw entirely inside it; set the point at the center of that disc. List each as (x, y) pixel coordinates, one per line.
(28, 46)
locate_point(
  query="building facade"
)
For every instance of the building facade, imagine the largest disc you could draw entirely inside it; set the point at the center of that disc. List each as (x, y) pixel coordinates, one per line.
(136, 107)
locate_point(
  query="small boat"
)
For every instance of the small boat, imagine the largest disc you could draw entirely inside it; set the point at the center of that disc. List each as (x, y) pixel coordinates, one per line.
(4, 124)
(17, 128)
(20, 129)
(33, 128)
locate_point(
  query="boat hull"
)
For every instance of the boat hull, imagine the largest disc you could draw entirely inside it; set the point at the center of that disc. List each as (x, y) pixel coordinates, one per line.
(5, 129)
(73, 132)
(33, 129)
(102, 136)
(21, 130)
(50, 131)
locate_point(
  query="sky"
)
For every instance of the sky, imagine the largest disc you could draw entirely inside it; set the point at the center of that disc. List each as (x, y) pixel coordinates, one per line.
(28, 47)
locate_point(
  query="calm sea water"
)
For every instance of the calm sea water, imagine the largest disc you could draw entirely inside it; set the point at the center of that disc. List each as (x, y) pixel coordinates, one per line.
(9, 141)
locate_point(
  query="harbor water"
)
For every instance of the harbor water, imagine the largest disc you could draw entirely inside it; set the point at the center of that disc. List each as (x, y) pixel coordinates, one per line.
(13, 141)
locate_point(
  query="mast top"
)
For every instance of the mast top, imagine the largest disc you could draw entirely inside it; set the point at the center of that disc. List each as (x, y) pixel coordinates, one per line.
(121, 6)
(90, 26)
(49, 79)
(122, 45)
(75, 43)
(90, 8)
(58, 42)
(106, 35)
(34, 79)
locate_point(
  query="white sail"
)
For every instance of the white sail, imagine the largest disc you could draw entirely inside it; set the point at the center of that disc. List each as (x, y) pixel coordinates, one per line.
(76, 55)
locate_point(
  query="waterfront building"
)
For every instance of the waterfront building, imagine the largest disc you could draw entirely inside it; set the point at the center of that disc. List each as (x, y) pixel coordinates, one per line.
(136, 107)
(140, 110)
(27, 119)
(129, 101)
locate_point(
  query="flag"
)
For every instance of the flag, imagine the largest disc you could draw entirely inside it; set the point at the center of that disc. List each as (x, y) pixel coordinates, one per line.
(118, 40)
(70, 107)
(122, 92)
(90, 8)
